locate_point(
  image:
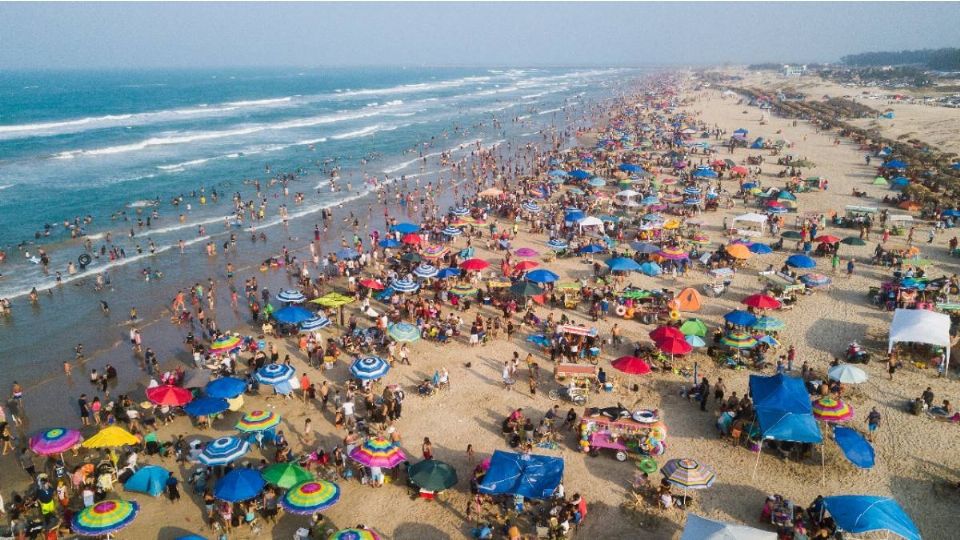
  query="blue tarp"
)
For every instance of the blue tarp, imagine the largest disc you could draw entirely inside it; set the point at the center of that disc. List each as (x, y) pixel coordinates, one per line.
(783, 409)
(855, 447)
(150, 479)
(865, 513)
(532, 476)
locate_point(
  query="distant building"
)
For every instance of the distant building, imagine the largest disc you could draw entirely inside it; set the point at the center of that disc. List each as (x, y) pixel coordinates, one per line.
(793, 71)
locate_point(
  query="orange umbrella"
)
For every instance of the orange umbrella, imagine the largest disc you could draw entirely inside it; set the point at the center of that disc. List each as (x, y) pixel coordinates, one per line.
(738, 251)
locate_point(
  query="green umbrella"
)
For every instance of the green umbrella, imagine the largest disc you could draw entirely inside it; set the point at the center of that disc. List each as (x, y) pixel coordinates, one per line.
(694, 327)
(286, 475)
(433, 475)
(791, 234)
(412, 257)
(526, 288)
(853, 241)
(636, 294)
(333, 299)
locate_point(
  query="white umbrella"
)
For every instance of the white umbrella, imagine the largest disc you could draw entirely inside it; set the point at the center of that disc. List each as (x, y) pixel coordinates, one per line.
(701, 528)
(847, 374)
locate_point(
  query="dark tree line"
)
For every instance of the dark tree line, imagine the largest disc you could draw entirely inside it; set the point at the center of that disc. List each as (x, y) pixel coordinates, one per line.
(947, 59)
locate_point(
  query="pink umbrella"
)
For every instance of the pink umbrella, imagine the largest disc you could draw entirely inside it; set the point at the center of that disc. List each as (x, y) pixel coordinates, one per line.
(525, 252)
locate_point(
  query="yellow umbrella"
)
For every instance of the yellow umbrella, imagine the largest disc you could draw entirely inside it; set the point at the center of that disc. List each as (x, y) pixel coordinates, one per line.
(672, 224)
(333, 299)
(236, 403)
(110, 437)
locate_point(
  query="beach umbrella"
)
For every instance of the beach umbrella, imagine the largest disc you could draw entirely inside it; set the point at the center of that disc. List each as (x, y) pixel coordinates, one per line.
(688, 473)
(847, 374)
(206, 406)
(739, 340)
(558, 173)
(778, 210)
(864, 513)
(348, 253)
(291, 296)
(316, 323)
(285, 475)
(630, 168)
(293, 315)
(695, 341)
(759, 249)
(167, 394)
(542, 275)
(769, 340)
(650, 268)
(826, 239)
(463, 289)
(404, 285)
(405, 228)
(645, 248)
(739, 317)
(701, 528)
(761, 301)
(650, 200)
(411, 257)
(597, 182)
(223, 450)
(149, 479)
(239, 485)
(474, 265)
(332, 299)
(693, 327)
(432, 475)
(425, 271)
(895, 164)
(622, 264)
(369, 368)
(631, 365)
(258, 421)
(853, 241)
(411, 239)
(691, 190)
(814, 280)
(530, 206)
(226, 387)
(275, 374)
(389, 243)
(447, 273)
(557, 245)
(574, 215)
(526, 252)
(580, 174)
(310, 496)
(55, 441)
(105, 517)
(828, 409)
(800, 261)
(452, 231)
(355, 534)
(767, 324)
(225, 344)
(665, 332)
(791, 235)
(378, 452)
(435, 252)
(672, 346)
(854, 446)
(460, 211)
(526, 288)
(673, 254)
(525, 266)
(635, 294)
(403, 331)
(738, 251)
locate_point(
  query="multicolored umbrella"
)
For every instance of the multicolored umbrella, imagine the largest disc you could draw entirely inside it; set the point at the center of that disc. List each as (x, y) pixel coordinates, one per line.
(557, 245)
(111, 437)
(828, 409)
(404, 331)
(167, 394)
(54, 441)
(104, 517)
(286, 475)
(225, 344)
(369, 368)
(258, 421)
(631, 365)
(355, 534)
(739, 340)
(224, 450)
(378, 452)
(275, 374)
(688, 473)
(310, 496)
(673, 253)
(463, 289)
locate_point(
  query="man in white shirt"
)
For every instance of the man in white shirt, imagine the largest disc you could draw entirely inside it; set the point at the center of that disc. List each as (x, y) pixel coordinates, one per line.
(348, 410)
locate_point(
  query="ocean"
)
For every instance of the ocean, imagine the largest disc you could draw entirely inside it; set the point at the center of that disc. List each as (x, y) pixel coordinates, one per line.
(91, 154)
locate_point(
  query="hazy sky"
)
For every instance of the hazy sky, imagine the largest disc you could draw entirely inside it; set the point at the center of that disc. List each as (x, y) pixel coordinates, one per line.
(58, 35)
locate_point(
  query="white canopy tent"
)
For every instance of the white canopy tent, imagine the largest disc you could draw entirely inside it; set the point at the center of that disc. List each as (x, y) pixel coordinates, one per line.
(755, 219)
(590, 221)
(921, 326)
(701, 528)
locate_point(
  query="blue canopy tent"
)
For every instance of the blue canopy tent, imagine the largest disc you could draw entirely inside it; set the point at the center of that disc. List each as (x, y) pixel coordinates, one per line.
(866, 513)
(150, 479)
(532, 476)
(784, 412)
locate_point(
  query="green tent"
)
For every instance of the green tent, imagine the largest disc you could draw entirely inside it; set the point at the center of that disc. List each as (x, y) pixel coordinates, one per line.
(694, 327)
(881, 181)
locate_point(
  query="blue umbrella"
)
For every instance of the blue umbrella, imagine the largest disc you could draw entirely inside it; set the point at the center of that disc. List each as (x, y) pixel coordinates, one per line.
(951, 213)
(293, 315)
(749, 185)
(800, 261)
(704, 173)
(866, 513)
(778, 210)
(623, 264)
(542, 275)
(460, 211)
(225, 387)
(574, 215)
(425, 271)
(895, 164)
(448, 273)
(530, 206)
(955, 166)
(740, 317)
(348, 253)
(293, 297)
(650, 199)
(275, 373)
(652, 217)
(691, 190)
(644, 247)
(239, 485)
(691, 202)
(205, 406)
(557, 173)
(404, 286)
(760, 249)
(856, 448)
(597, 182)
(592, 248)
(316, 323)
(768, 323)
(580, 174)
(191, 537)
(224, 450)
(695, 341)
(452, 231)
(651, 268)
(557, 244)
(149, 479)
(630, 167)
(369, 368)
(405, 228)
(390, 243)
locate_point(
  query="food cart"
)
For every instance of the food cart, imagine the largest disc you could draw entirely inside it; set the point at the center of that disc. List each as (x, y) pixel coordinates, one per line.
(643, 433)
(583, 377)
(899, 223)
(570, 295)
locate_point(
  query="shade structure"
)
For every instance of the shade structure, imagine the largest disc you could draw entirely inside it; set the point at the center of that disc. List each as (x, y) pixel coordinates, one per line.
(404, 286)
(333, 299)
(111, 437)
(800, 261)
(369, 368)
(258, 421)
(526, 288)
(225, 344)
(355, 534)
(623, 264)
(650, 268)
(411, 239)
(433, 475)
(317, 323)
(701, 528)
(847, 374)
(404, 331)
(867, 513)
(275, 374)
(286, 475)
(310, 496)
(530, 206)
(405, 228)
(783, 409)
(291, 296)
(206, 405)
(693, 327)
(104, 517)
(389, 243)
(631, 365)
(921, 326)
(474, 265)
(768, 324)
(149, 479)
(169, 395)
(853, 241)
(673, 345)
(530, 475)
(761, 301)
(378, 452)
(665, 332)
(855, 447)
(831, 410)
(542, 275)
(688, 473)
(239, 485)
(435, 251)
(739, 317)
(447, 273)
(293, 315)
(557, 245)
(55, 441)
(739, 340)
(673, 253)
(738, 251)
(225, 387)
(224, 450)
(525, 266)
(425, 271)
(526, 252)
(463, 289)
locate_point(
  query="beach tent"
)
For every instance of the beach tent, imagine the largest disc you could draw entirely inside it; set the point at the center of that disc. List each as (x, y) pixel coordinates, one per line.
(866, 513)
(701, 528)
(783, 410)
(880, 181)
(757, 143)
(689, 300)
(150, 479)
(590, 222)
(756, 219)
(532, 476)
(921, 326)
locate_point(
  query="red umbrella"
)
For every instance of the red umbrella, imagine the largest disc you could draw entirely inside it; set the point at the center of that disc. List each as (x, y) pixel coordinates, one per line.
(739, 170)
(761, 301)
(411, 238)
(828, 238)
(170, 395)
(474, 264)
(631, 365)
(372, 284)
(523, 266)
(673, 346)
(666, 332)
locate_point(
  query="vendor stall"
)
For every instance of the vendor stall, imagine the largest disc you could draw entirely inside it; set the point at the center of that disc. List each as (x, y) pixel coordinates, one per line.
(643, 433)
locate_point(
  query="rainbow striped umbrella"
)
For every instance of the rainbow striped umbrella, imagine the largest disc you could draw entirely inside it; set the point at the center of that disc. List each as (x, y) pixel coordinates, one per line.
(310, 496)
(739, 340)
(355, 534)
(433, 252)
(54, 441)
(463, 290)
(828, 409)
(674, 253)
(225, 344)
(104, 517)
(688, 473)
(378, 452)
(258, 421)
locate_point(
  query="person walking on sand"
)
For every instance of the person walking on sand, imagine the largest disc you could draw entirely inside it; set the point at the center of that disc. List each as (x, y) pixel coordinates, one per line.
(851, 266)
(873, 422)
(704, 393)
(891, 364)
